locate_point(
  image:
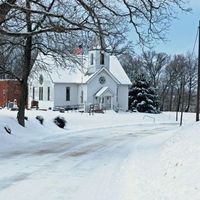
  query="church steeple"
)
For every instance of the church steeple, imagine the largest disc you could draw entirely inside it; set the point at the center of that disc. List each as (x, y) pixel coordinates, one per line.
(98, 58)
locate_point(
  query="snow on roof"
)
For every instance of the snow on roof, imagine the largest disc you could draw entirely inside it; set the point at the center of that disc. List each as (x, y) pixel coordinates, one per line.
(104, 91)
(74, 73)
(101, 91)
(117, 70)
(68, 76)
(70, 72)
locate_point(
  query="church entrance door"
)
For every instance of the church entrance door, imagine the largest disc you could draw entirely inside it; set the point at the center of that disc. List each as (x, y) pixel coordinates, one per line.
(107, 102)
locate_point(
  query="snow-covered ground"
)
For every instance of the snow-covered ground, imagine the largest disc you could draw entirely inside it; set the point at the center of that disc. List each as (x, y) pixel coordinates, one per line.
(111, 156)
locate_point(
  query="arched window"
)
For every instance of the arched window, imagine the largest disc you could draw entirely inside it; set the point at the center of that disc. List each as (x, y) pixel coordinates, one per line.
(40, 93)
(48, 93)
(67, 93)
(33, 93)
(82, 96)
(101, 58)
(92, 59)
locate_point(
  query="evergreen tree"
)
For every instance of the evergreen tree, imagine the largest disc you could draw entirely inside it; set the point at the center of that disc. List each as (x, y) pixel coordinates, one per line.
(142, 96)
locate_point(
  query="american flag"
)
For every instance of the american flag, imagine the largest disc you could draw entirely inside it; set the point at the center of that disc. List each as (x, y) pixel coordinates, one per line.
(78, 50)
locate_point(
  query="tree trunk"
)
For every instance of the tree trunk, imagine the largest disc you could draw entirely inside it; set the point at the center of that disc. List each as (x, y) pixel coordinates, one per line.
(26, 70)
(24, 82)
(189, 96)
(171, 98)
(182, 103)
(178, 102)
(162, 101)
(22, 103)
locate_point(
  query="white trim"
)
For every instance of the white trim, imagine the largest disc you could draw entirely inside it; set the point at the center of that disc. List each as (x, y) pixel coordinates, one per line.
(108, 72)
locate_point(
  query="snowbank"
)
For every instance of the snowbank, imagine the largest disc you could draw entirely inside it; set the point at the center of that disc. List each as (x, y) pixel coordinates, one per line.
(167, 166)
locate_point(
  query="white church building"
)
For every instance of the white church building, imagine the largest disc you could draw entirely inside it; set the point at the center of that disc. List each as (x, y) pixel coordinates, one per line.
(100, 80)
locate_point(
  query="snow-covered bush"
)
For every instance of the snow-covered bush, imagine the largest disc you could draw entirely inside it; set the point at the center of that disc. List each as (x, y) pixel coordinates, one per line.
(60, 121)
(142, 96)
(40, 119)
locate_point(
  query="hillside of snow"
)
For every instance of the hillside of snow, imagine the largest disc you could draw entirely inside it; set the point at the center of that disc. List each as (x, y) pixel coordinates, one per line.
(120, 156)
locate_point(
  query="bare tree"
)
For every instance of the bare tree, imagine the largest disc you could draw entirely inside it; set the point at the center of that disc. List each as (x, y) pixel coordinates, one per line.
(191, 79)
(46, 26)
(132, 65)
(153, 64)
(177, 71)
(168, 75)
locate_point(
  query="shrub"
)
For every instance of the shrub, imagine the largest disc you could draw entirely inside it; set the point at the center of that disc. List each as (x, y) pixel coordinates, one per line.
(40, 119)
(60, 121)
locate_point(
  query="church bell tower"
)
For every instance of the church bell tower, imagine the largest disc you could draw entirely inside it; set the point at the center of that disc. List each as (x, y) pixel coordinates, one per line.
(97, 59)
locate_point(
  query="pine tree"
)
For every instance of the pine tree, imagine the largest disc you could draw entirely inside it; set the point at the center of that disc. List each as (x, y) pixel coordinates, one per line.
(142, 96)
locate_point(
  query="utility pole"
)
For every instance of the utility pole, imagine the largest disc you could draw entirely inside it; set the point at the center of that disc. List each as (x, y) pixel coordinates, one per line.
(198, 83)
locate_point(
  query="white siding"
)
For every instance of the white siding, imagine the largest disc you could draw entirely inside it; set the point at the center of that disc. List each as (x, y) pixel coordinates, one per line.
(94, 86)
(34, 82)
(123, 97)
(82, 87)
(60, 94)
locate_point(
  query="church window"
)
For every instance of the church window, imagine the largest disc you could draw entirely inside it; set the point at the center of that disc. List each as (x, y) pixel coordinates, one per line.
(102, 58)
(92, 59)
(117, 94)
(33, 93)
(82, 96)
(48, 93)
(102, 80)
(40, 93)
(67, 93)
(41, 79)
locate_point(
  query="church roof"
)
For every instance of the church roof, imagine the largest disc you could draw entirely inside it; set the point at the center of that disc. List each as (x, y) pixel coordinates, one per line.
(76, 73)
(117, 70)
(104, 91)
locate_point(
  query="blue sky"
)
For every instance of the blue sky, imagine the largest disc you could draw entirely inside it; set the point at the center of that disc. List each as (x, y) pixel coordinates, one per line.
(182, 32)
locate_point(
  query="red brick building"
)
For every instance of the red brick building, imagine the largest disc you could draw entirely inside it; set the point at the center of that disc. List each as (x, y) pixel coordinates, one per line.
(9, 91)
